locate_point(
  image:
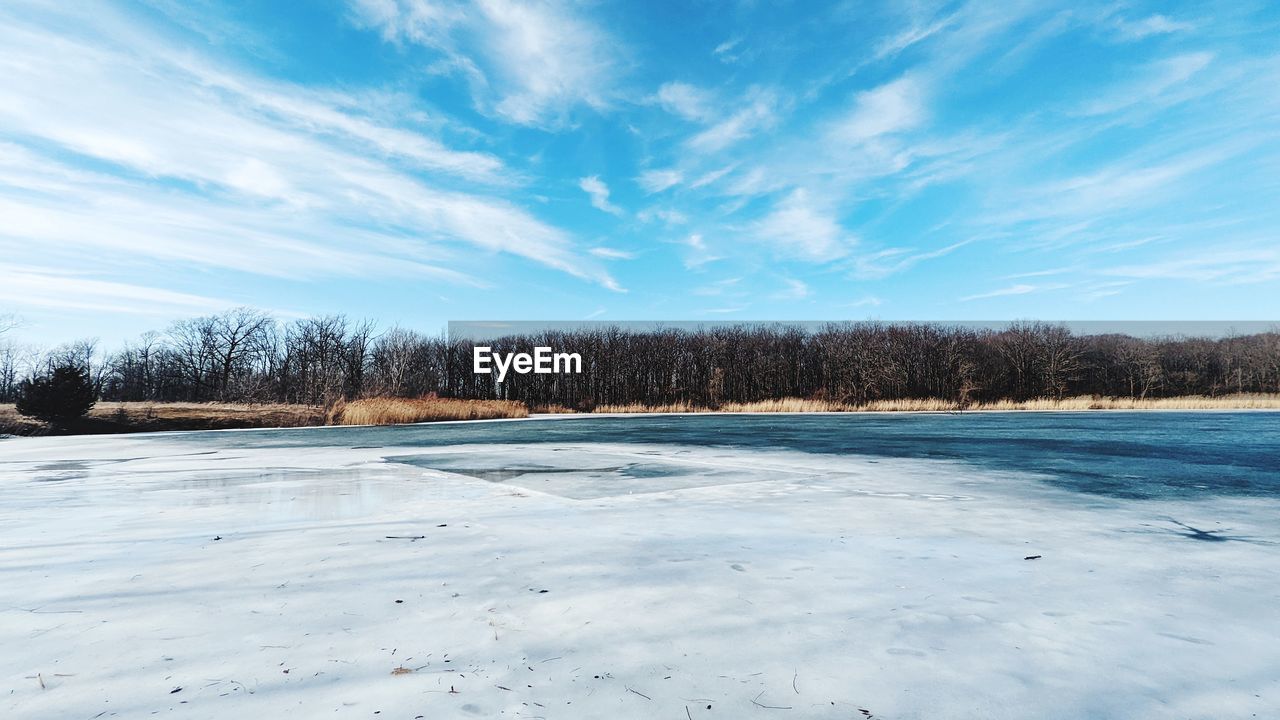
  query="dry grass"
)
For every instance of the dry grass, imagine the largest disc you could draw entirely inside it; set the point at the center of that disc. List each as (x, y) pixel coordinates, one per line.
(799, 405)
(1246, 401)
(638, 408)
(123, 417)
(398, 411)
(113, 417)
(787, 405)
(256, 415)
(552, 409)
(126, 417)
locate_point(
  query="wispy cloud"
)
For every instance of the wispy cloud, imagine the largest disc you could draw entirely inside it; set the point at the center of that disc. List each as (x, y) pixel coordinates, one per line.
(34, 287)
(196, 164)
(913, 34)
(1041, 273)
(599, 192)
(1119, 187)
(1099, 290)
(666, 215)
(686, 101)
(1152, 83)
(893, 107)
(655, 181)
(759, 111)
(797, 227)
(609, 253)
(725, 51)
(793, 290)
(718, 288)
(711, 176)
(536, 61)
(890, 261)
(1225, 265)
(1148, 26)
(1020, 289)
(699, 254)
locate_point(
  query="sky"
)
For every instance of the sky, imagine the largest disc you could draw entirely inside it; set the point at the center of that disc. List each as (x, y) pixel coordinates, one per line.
(420, 161)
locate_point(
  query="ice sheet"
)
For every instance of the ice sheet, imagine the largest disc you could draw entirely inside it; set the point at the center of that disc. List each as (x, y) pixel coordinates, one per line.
(573, 580)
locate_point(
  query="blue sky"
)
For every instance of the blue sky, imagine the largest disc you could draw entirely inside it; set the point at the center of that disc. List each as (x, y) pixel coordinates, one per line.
(416, 161)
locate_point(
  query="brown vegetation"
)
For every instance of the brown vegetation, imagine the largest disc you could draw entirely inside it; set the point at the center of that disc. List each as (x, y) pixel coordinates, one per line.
(1246, 401)
(127, 417)
(630, 408)
(552, 409)
(1241, 401)
(399, 411)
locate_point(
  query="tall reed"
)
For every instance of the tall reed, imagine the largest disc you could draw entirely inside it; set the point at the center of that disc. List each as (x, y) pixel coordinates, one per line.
(398, 411)
(1246, 401)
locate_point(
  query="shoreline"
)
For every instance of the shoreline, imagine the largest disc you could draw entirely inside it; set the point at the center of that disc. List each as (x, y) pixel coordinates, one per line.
(5, 433)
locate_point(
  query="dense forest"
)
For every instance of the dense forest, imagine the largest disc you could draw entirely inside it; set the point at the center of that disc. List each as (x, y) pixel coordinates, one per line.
(245, 355)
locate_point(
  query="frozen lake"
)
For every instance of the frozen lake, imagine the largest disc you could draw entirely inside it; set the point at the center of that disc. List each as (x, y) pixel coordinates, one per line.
(848, 566)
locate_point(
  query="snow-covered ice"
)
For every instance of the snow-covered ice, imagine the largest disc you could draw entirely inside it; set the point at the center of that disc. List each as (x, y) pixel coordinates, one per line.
(220, 575)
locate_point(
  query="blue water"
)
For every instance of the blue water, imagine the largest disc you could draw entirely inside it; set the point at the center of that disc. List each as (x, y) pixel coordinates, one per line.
(1118, 454)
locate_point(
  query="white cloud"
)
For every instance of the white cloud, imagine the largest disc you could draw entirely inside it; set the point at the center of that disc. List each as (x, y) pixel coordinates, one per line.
(655, 181)
(890, 261)
(1041, 273)
(685, 100)
(540, 60)
(1154, 82)
(894, 107)
(1149, 26)
(666, 215)
(196, 165)
(718, 288)
(1225, 265)
(701, 254)
(612, 253)
(758, 113)
(724, 51)
(794, 290)
(710, 177)
(912, 35)
(1021, 289)
(796, 228)
(1097, 291)
(1117, 188)
(35, 287)
(599, 193)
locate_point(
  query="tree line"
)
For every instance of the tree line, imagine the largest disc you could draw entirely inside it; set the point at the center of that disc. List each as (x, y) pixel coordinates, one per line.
(245, 355)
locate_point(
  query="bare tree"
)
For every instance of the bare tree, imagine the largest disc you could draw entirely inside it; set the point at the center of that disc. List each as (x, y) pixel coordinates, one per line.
(239, 338)
(244, 355)
(1059, 358)
(193, 346)
(9, 372)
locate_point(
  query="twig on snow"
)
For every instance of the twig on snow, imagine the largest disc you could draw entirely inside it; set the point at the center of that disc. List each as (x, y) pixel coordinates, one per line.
(754, 701)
